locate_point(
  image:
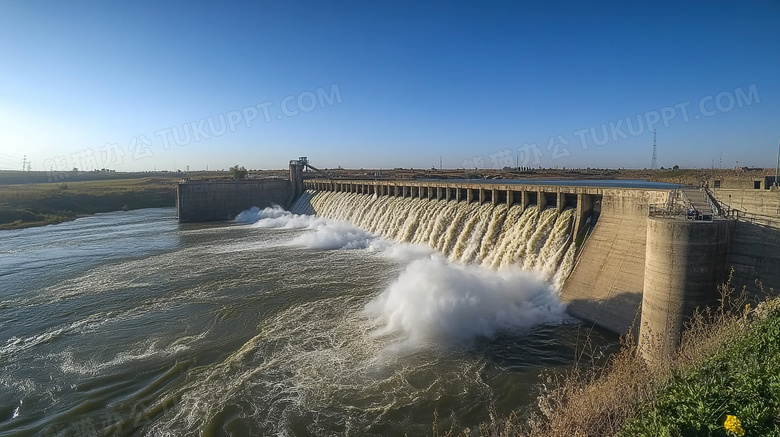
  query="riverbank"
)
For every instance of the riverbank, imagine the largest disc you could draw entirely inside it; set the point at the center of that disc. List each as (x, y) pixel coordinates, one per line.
(722, 381)
(30, 205)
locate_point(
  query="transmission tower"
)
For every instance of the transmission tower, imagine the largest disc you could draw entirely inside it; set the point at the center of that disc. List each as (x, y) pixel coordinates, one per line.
(654, 164)
(24, 163)
(777, 169)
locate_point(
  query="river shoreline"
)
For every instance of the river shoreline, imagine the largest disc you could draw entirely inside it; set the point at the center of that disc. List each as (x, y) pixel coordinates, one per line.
(27, 206)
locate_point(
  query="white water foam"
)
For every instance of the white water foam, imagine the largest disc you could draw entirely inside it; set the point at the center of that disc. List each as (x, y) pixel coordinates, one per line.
(327, 234)
(437, 302)
(276, 217)
(149, 349)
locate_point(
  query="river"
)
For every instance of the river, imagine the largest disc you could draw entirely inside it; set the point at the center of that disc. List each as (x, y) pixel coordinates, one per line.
(129, 323)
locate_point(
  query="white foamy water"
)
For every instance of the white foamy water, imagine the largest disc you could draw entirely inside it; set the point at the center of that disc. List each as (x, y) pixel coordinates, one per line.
(440, 302)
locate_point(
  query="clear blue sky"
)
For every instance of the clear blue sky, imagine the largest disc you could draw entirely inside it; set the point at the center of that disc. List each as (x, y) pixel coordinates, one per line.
(144, 85)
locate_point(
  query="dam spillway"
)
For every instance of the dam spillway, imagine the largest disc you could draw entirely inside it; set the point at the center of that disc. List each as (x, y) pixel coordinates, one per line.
(494, 236)
(584, 199)
(601, 275)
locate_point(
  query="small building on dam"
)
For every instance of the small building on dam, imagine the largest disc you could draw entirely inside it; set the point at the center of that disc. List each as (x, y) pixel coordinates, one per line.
(646, 258)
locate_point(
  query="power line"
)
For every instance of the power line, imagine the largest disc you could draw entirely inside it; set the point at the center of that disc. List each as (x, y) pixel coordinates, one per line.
(8, 162)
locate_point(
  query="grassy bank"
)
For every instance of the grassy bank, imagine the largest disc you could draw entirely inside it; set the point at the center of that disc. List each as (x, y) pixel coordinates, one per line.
(740, 380)
(25, 205)
(723, 381)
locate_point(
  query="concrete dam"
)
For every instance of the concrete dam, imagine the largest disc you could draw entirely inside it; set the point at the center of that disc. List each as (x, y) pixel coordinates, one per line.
(621, 257)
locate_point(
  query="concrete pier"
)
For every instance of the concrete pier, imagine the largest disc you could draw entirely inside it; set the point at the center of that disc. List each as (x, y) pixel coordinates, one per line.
(685, 262)
(203, 201)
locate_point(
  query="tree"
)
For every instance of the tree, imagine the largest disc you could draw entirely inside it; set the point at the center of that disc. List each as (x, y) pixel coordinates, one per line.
(238, 172)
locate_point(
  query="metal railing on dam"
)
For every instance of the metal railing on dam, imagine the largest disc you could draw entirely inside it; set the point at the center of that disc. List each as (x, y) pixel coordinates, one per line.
(559, 195)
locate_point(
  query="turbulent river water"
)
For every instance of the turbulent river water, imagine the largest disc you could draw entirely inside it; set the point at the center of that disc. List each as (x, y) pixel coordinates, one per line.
(282, 323)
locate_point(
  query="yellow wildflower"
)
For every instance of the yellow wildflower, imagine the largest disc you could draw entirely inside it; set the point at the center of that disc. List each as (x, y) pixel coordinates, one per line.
(734, 425)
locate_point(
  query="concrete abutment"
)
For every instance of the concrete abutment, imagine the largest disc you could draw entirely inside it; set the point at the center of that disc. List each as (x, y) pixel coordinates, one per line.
(685, 262)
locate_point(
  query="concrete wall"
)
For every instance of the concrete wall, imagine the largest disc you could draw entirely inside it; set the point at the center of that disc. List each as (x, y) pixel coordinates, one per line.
(763, 202)
(606, 284)
(296, 181)
(755, 249)
(755, 256)
(741, 182)
(201, 201)
(685, 262)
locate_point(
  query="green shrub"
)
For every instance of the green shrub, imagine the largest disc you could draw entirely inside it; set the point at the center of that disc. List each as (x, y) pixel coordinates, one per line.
(743, 380)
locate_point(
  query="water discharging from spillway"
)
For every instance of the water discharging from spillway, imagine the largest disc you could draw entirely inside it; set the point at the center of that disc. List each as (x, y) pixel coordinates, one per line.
(494, 236)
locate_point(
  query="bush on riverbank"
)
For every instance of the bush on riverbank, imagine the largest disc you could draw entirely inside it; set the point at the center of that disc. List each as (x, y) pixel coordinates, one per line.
(742, 380)
(725, 379)
(714, 374)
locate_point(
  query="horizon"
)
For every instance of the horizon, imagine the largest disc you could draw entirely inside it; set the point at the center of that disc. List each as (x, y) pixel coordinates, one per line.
(147, 87)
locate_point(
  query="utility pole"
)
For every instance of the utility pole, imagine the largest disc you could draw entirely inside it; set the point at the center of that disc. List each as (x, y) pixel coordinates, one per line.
(440, 163)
